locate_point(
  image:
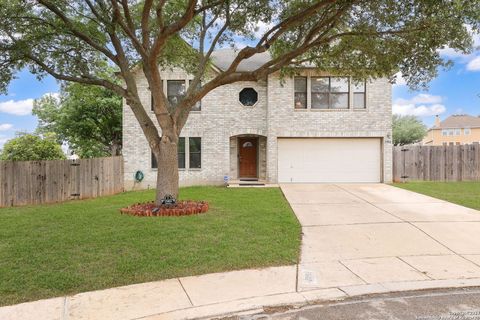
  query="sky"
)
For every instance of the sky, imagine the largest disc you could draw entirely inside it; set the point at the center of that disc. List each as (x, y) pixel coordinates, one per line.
(454, 91)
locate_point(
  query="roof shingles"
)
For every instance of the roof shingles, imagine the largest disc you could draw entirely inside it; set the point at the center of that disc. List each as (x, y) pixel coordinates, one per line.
(459, 121)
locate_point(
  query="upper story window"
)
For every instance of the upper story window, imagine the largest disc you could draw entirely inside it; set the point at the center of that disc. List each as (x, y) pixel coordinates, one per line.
(444, 132)
(329, 93)
(450, 132)
(467, 131)
(300, 92)
(248, 97)
(359, 96)
(320, 88)
(458, 132)
(176, 90)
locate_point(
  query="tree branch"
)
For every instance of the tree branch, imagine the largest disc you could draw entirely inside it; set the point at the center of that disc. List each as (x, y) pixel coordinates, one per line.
(173, 28)
(87, 39)
(145, 23)
(85, 79)
(128, 27)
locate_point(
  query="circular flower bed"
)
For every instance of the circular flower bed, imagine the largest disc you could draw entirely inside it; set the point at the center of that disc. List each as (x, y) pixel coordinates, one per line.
(181, 208)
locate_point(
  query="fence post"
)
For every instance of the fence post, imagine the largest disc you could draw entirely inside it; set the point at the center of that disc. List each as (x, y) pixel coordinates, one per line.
(404, 175)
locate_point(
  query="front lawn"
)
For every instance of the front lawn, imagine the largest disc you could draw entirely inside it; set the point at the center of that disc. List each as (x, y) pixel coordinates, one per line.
(60, 249)
(464, 193)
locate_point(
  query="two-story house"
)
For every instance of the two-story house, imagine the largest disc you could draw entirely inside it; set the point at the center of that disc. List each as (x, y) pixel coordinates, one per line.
(455, 130)
(311, 128)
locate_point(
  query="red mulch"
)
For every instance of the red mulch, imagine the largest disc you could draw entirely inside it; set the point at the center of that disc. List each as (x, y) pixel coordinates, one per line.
(181, 208)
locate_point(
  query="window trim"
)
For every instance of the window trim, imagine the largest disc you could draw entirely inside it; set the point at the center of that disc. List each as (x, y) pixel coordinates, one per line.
(309, 108)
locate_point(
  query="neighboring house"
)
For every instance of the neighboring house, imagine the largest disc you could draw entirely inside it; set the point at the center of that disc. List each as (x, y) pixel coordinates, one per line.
(455, 130)
(311, 128)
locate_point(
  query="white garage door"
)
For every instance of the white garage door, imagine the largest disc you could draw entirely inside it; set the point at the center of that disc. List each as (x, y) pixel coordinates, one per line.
(329, 160)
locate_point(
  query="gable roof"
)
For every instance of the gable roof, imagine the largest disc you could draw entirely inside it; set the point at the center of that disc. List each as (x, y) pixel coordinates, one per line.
(459, 121)
(223, 58)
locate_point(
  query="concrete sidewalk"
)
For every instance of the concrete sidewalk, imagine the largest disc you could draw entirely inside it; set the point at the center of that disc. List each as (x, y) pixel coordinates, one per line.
(357, 239)
(207, 296)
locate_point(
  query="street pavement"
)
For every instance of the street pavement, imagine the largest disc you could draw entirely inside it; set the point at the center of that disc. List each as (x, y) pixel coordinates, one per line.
(423, 305)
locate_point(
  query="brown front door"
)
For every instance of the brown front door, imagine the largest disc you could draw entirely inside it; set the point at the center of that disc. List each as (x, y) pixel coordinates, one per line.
(247, 157)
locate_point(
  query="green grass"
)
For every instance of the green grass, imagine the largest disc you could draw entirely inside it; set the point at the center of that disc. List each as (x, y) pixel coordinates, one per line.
(59, 249)
(464, 193)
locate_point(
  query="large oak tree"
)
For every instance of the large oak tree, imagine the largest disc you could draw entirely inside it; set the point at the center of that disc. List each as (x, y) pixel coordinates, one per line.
(70, 39)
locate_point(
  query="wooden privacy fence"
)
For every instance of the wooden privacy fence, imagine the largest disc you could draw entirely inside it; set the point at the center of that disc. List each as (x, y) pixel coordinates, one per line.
(436, 163)
(37, 182)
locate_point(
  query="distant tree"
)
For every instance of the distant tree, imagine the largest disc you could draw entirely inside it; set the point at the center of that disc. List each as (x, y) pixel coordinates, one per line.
(88, 118)
(26, 147)
(407, 130)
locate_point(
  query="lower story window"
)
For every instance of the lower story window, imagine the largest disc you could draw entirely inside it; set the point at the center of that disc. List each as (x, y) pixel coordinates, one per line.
(194, 154)
(154, 161)
(181, 153)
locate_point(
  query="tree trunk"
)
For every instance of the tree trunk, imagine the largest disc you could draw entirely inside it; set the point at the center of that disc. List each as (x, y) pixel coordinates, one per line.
(114, 148)
(167, 174)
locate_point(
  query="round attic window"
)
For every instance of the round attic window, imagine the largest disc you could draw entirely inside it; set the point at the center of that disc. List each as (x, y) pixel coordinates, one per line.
(248, 97)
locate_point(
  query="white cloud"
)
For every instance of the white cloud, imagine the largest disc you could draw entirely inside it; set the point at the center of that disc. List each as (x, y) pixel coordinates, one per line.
(5, 126)
(18, 107)
(426, 98)
(419, 111)
(21, 107)
(421, 105)
(474, 65)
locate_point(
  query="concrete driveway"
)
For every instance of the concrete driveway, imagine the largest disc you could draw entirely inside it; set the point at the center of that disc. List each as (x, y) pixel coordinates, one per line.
(374, 236)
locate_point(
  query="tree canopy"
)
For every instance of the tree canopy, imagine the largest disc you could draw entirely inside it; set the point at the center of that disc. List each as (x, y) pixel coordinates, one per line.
(73, 40)
(29, 147)
(88, 118)
(407, 130)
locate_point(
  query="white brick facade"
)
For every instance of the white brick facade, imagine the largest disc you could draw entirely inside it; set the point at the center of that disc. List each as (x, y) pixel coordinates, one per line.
(223, 117)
